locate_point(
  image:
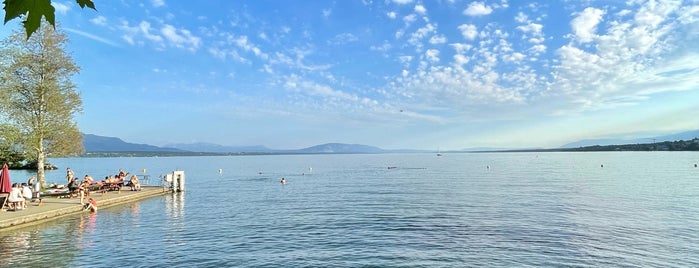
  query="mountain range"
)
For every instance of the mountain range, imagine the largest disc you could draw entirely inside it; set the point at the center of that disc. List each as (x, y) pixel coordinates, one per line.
(687, 135)
(95, 144)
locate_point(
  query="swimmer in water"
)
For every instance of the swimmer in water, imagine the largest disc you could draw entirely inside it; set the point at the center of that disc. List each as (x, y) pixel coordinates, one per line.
(283, 181)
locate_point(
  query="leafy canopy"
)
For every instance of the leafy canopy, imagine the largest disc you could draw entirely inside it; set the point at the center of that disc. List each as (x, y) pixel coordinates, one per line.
(33, 10)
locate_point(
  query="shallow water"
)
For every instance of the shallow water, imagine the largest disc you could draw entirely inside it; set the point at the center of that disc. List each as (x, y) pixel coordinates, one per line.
(495, 209)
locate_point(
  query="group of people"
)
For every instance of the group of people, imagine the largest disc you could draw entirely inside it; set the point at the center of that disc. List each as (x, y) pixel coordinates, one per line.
(22, 193)
(19, 196)
(82, 188)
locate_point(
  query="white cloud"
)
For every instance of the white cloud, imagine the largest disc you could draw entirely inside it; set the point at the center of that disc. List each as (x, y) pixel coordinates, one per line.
(420, 9)
(477, 9)
(461, 48)
(167, 36)
(303, 86)
(402, 2)
(432, 55)
(99, 20)
(460, 60)
(145, 30)
(409, 19)
(343, 38)
(242, 42)
(60, 8)
(93, 37)
(158, 3)
(421, 33)
(585, 24)
(468, 31)
(180, 38)
(405, 60)
(386, 46)
(438, 39)
(327, 13)
(391, 15)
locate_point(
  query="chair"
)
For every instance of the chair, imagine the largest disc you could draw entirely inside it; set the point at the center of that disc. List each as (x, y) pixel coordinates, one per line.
(3, 199)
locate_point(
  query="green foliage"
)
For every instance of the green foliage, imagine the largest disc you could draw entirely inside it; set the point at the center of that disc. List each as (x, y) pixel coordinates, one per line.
(34, 10)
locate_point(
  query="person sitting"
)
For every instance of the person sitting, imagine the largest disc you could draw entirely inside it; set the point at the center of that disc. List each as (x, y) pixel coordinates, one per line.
(134, 183)
(26, 193)
(91, 205)
(16, 198)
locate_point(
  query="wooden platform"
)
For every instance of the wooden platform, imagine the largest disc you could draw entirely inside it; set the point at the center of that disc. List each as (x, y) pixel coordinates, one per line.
(54, 208)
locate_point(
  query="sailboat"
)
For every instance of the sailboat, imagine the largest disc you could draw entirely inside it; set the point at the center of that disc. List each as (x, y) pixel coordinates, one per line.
(439, 152)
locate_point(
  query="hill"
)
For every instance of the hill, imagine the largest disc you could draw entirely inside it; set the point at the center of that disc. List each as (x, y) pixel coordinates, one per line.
(342, 148)
(95, 143)
(687, 135)
(216, 148)
(100, 144)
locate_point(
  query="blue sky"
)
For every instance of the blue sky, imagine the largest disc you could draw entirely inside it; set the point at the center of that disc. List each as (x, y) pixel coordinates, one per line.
(391, 73)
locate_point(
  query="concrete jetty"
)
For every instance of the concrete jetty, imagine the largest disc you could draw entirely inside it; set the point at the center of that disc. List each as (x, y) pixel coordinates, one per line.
(54, 208)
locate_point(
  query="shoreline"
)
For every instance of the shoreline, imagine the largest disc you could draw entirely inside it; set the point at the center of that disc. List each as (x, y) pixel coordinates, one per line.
(54, 208)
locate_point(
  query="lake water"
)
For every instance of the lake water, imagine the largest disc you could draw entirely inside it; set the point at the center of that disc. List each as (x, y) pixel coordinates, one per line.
(641, 209)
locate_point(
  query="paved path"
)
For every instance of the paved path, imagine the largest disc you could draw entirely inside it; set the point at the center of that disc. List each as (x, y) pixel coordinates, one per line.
(54, 208)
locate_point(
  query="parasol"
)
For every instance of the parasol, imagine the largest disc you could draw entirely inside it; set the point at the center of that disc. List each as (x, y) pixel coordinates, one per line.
(5, 185)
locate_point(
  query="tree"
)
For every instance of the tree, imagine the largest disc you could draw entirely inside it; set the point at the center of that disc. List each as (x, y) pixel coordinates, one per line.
(34, 10)
(40, 98)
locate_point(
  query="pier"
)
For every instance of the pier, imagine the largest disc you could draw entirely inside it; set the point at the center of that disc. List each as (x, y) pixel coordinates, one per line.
(54, 208)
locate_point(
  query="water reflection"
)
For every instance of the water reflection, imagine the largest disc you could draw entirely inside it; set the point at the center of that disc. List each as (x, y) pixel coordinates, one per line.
(175, 206)
(86, 225)
(135, 213)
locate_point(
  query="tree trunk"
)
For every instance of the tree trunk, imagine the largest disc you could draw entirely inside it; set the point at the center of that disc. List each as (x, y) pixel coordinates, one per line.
(40, 159)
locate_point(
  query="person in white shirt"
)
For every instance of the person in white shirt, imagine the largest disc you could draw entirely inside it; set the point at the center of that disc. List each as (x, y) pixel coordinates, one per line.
(16, 198)
(27, 193)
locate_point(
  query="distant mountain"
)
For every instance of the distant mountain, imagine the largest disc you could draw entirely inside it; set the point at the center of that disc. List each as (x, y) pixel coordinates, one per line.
(687, 135)
(340, 148)
(95, 143)
(216, 148)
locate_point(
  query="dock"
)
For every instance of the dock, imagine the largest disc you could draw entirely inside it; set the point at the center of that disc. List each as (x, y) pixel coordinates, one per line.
(54, 208)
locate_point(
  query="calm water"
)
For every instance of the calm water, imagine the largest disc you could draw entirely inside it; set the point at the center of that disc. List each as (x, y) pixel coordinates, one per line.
(506, 210)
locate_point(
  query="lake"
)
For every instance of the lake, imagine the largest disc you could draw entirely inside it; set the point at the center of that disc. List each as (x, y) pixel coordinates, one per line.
(622, 209)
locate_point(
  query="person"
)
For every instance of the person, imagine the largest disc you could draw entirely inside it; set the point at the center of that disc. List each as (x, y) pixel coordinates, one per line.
(83, 191)
(283, 181)
(16, 199)
(134, 183)
(27, 193)
(122, 174)
(91, 205)
(73, 187)
(37, 193)
(89, 179)
(31, 181)
(69, 174)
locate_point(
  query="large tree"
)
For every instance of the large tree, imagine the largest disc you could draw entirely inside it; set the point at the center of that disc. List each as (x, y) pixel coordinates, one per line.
(41, 100)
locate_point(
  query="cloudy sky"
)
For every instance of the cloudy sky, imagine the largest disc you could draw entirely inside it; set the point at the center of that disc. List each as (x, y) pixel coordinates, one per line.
(445, 74)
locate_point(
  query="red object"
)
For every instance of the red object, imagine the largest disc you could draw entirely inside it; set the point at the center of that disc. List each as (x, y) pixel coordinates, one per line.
(5, 184)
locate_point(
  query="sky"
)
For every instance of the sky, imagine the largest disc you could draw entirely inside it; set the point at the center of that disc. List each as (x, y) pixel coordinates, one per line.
(396, 74)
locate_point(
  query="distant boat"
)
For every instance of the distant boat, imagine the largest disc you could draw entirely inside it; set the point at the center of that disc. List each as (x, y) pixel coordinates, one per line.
(438, 152)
